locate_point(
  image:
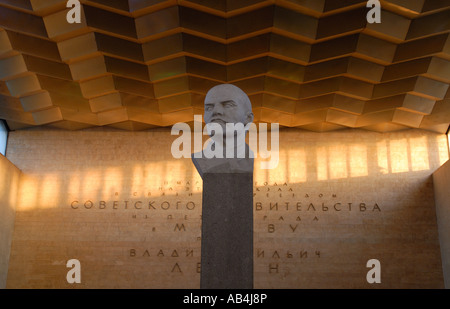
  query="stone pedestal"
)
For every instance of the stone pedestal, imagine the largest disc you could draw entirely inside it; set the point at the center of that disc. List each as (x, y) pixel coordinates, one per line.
(227, 231)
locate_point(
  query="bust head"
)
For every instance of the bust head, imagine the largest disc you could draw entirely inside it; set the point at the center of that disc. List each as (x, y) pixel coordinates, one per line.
(224, 104)
(227, 103)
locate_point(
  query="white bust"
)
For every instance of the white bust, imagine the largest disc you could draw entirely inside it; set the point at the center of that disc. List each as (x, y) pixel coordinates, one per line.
(224, 104)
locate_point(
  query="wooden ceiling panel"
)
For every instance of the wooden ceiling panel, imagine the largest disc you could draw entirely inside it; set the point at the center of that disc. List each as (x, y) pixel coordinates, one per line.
(139, 64)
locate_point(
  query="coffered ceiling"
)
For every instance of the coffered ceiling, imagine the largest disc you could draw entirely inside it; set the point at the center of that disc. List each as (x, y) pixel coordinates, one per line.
(312, 64)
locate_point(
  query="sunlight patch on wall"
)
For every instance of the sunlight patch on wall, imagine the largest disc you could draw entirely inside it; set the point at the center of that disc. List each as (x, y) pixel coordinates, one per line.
(419, 153)
(28, 193)
(322, 163)
(297, 169)
(112, 182)
(441, 141)
(358, 160)
(49, 191)
(338, 161)
(399, 157)
(382, 157)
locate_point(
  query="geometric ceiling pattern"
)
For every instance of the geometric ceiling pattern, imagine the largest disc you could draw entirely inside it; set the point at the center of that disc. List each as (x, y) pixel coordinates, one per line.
(312, 64)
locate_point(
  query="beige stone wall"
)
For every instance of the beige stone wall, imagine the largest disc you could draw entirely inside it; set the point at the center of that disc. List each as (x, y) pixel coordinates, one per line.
(9, 184)
(441, 180)
(130, 213)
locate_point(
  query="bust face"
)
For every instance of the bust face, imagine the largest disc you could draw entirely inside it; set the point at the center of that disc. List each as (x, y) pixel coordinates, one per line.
(226, 104)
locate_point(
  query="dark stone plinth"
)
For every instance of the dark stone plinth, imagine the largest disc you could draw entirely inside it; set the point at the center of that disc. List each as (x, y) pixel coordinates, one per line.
(227, 231)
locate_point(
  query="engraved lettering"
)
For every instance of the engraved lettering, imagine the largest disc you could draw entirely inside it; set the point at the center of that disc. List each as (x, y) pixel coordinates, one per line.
(176, 268)
(258, 206)
(335, 208)
(362, 207)
(273, 268)
(376, 207)
(179, 227)
(136, 205)
(88, 204)
(190, 203)
(165, 207)
(260, 253)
